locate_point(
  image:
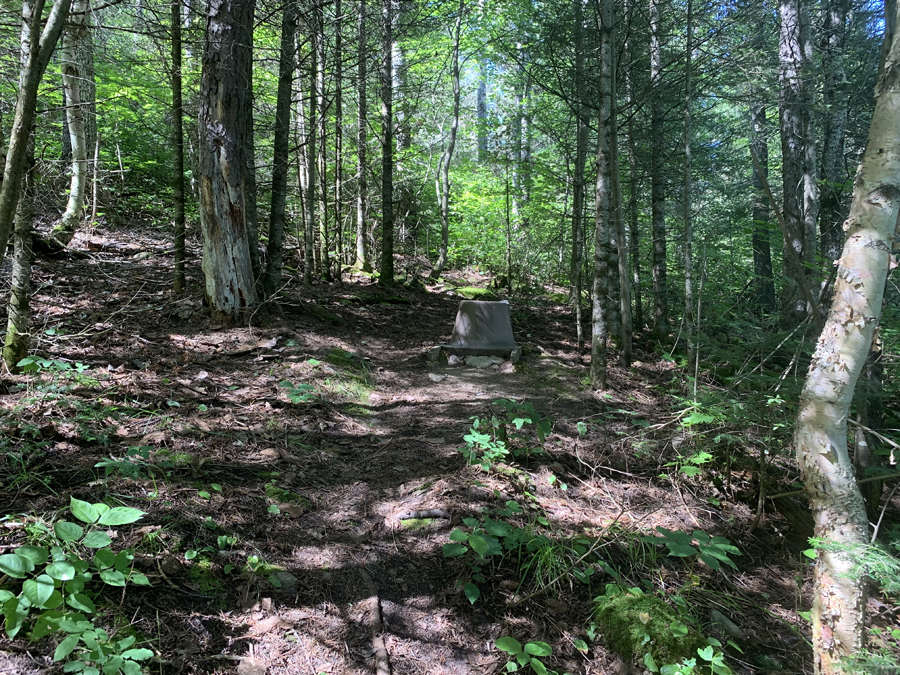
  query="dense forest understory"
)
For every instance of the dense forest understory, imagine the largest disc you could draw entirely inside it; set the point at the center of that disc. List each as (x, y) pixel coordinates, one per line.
(301, 482)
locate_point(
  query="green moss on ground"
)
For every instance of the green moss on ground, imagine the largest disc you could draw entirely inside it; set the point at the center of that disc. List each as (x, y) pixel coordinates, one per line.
(634, 623)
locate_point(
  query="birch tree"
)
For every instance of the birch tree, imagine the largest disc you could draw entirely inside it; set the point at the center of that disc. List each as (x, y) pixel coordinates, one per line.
(41, 44)
(820, 436)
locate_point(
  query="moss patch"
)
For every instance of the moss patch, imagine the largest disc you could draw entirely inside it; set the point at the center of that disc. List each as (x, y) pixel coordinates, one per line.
(417, 524)
(634, 623)
(475, 293)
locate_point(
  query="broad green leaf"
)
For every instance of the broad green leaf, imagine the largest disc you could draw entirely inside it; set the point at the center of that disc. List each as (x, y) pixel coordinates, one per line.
(104, 558)
(112, 666)
(203, 494)
(61, 571)
(678, 629)
(82, 602)
(680, 550)
(38, 590)
(97, 539)
(16, 611)
(120, 515)
(127, 642)
(472, 592)
(538, 649)
(73, 667)
(691, 471)
(140, 579)
(710, 561)
(508, 645)
(580, 645)
(131, 668)
(113, 577)
(453, 550)
(15, 565)
(65, 648)
(138, 654)
(498, 529)
(68, 531)
(479, 544)
(47, 623)
(90, 670)
(75, 585)
(538, 667)
(706, 653)
(85, 512)
(123, 561)
(650, 662)
(36, 554)
(458, 535)
(5, 595)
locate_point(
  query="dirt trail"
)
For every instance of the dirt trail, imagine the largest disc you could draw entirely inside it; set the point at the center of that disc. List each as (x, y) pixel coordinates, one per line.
(280, 461)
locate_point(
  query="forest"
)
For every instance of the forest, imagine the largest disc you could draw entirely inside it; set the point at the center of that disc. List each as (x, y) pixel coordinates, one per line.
(237, 437)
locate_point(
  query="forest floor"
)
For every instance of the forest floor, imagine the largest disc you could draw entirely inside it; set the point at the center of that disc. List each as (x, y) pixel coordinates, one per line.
(287, 535)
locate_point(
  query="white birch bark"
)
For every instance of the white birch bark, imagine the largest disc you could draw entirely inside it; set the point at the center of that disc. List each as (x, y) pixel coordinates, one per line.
(820, 437)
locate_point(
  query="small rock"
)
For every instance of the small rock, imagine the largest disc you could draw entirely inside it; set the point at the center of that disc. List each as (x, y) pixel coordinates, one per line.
(455, 360)
(479, 361)
(496, 360)
(250, 665)
(507, 367)
(289, 583)
(434, 377)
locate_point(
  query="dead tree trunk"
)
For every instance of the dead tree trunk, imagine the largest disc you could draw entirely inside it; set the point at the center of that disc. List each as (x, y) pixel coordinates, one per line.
(224, 160)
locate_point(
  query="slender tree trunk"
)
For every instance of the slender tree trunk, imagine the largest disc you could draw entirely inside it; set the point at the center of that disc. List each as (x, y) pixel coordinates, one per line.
(797, 174)
(340, 253)
(689, 318)
(582, 129)
(40, 49)
(280, 150)
(74, 34)
(177, 149)
(447, 155)
(657, 177)
(835, 94)
(633, 232)
(311, 153)
(322, 157)
(362, 123)
(820, 437)
(224, 160)
(481, 112)
(599, 300)
(626, 326)
(386, 273)
(18, 312)
(762, 253)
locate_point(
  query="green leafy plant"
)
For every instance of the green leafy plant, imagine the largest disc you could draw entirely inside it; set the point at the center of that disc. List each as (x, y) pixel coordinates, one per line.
(525, 655)
(711, 550)
(61, 593)
(298, 393)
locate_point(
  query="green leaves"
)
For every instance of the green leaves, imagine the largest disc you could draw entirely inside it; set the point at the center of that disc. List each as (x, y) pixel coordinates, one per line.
(16, 565)
(711, 550)
(67, 531)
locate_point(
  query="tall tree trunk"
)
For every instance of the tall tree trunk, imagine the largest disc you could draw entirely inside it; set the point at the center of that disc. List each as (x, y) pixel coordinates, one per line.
(481, 112)
(835, 95)
(18, 312)
(599, 300)
(177, 148)
(322, 157)
(386, 273)
(764, 284)
(582, 129)
(633, 232)
(447, 155)
(309, 235)
(689, 318)
(280, 150)
(362, 123)
(340, 254)
(626, 326)
(74, 35)
(224, 161)
(796, 154)
(40, 48)
(657, 177)
(820, 437)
